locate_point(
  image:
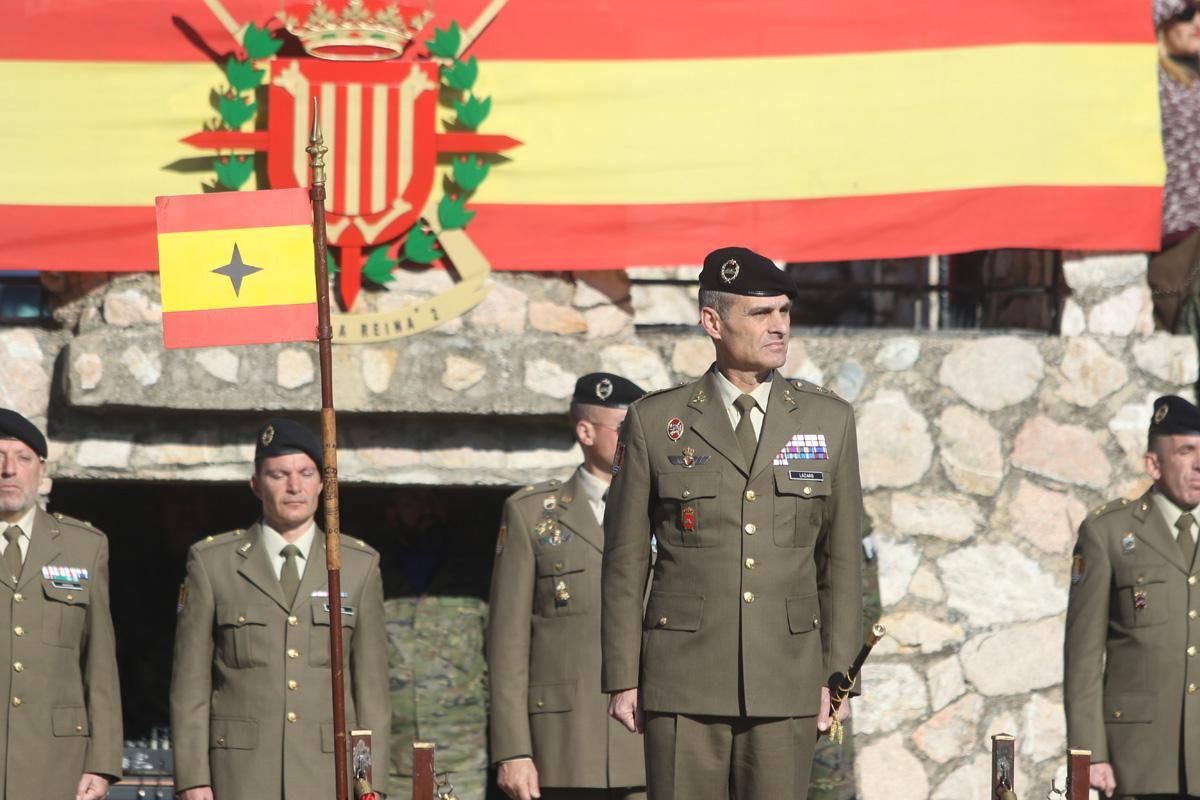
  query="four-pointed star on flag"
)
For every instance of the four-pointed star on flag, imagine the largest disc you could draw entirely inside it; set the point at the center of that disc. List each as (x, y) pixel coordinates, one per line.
(236, 270)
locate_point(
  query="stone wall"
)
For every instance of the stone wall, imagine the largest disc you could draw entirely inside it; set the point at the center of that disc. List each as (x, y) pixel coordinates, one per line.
(980, 454)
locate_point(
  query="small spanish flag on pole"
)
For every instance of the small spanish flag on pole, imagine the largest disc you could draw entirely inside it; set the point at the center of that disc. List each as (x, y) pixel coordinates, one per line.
(237, 268)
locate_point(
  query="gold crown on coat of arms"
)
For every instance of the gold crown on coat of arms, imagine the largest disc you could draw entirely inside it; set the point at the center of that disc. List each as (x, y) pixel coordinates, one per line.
(355, 30)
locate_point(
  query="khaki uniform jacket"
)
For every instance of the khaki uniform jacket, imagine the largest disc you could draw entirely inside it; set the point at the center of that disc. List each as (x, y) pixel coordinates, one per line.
(251, 710)
(544, 645)
(758, 579)
(61, 712)
(1131, 680)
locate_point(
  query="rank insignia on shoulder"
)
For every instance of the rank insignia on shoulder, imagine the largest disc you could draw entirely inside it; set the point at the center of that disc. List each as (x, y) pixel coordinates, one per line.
(1128, 543)
(1078, 568)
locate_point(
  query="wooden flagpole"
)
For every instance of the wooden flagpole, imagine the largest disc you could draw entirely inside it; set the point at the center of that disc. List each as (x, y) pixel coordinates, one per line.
(316, 151)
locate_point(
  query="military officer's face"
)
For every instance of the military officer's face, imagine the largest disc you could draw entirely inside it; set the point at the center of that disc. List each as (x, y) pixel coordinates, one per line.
(752, 335)
(597, 431)
(21, 472)
(1174, 464)
(289, 487)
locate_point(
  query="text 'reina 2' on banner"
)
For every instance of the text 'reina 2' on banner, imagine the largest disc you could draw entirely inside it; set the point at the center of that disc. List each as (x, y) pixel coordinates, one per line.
(649, 132)
(237, 268)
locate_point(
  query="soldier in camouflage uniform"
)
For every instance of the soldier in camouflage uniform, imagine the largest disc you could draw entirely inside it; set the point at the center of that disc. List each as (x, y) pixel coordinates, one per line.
(833, 764)
(435, 615)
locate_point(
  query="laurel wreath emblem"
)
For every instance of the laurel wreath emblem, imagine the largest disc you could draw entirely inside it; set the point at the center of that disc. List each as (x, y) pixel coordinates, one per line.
(237, 105)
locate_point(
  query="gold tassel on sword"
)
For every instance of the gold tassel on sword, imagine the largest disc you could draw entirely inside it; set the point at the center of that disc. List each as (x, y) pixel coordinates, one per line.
(841, 684)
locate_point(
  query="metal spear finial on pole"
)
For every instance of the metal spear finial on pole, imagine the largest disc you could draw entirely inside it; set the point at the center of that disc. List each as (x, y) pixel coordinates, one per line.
(316, 151)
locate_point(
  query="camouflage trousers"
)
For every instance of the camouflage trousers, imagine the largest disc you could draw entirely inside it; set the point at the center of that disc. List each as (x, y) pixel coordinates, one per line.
(467, 785)
(833, 769)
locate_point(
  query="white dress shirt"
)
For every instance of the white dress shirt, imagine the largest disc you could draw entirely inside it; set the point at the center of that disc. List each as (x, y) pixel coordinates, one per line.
(1172, 512)
(595, 489)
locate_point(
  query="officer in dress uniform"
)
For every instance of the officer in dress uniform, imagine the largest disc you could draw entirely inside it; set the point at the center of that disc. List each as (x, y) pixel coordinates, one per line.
(60, 723)
(251, 712)
(550, 732)
(1132, 672)
(750, 484)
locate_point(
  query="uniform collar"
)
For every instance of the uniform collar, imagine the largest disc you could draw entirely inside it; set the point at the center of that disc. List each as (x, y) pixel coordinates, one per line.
(26, 522)
(274, 542)
(729, 392)
(1170, 510)
(592, 487)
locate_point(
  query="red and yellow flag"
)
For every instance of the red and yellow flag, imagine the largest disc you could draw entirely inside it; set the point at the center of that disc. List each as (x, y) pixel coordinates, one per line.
(651, 131)
(237, 268)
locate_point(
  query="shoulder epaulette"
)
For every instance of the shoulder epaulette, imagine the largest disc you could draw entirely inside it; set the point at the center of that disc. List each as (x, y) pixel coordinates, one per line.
(545, 487)
(812, 388)
(354, 543)
(1110, 506)
(76, 523)
(220, 538)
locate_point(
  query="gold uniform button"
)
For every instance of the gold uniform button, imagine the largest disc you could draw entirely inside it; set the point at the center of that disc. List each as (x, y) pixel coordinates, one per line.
(293, 686)
(540, 704)
(291, 717)
(79, 729)
(558, 565)
(1192, 613)
(1117, 714)
(293, 652)
(1139, 580)
(1191, 580)
(749, 563)
(750, 495)
(18, 597)
(687, 492)
(1191, 688)
(221, 741)
(293, 620)
(19, 631)
(241, 620)
(807, 490)
(18, 666)
(748, 597)
(750, 528)
(662, 621)
(1191, 651)
(70, 597)
(16, 701)
(816, 622)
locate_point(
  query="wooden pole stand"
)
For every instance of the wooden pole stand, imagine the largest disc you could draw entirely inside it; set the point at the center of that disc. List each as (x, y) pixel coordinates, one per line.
(1004, 748)
(422, 782)
(1079, 763)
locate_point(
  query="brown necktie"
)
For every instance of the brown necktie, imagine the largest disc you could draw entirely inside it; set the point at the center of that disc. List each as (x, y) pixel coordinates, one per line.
(12, 552)
(1187, 544)
(744, 432)
(289, 576)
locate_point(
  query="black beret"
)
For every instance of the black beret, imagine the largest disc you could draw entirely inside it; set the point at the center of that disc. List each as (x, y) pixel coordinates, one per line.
(15, 426)
(1172, 415)
(606, 389)
(279, 437)
(739, 270)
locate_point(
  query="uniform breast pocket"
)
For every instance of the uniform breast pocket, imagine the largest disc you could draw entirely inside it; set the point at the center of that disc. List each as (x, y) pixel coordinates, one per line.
(242, 637)
(1141, 595)
(800, 500)
(318, 639)
(688, 513)
(561, 590)
(65, 614)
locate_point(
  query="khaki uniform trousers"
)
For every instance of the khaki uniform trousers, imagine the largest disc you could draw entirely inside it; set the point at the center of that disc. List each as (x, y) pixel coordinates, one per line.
(716, 758)
(624, 793)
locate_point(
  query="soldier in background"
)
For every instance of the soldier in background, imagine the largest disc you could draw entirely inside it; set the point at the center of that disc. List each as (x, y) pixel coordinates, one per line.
(833, 763)
(551, 734)
(435, 613)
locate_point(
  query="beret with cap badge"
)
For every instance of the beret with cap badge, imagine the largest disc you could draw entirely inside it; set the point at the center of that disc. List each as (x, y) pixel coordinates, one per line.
(15, 426)
(605, 389)
(1174, 415)
(279, 437)
(739, 270)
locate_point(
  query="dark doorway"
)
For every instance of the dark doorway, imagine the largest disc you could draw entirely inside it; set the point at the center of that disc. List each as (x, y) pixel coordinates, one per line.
(151, 525)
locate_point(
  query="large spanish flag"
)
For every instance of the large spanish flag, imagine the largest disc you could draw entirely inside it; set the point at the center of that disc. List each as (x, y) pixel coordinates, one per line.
(651, 131)
(237, 268)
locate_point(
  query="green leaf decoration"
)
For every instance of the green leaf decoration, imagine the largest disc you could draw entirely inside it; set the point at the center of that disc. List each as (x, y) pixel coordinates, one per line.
(331, 264)
(474, 111)
(461, 75)
(421, 247)
(242, 75)
(234, 171)
(452, 214)
(259, 42)
(444, 44)
(469, 172)
(378, 267)
(236, 111)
